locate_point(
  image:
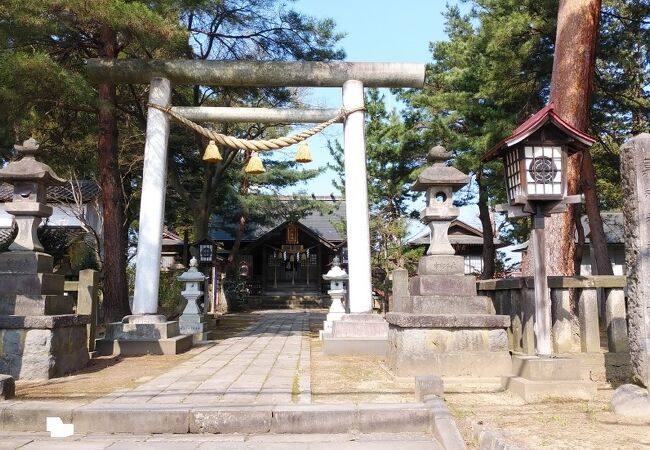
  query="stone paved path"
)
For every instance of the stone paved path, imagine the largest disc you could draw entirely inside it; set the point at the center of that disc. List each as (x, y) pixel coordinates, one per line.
(375, 441)
(266, 364)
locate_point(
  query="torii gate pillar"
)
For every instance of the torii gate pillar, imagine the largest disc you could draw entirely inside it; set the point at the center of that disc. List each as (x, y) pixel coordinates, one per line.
(356, 201)
(152, 203)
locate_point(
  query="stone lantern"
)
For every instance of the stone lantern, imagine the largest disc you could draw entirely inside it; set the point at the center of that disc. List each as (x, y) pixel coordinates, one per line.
(440, 182)
(29, 206)
(440, 325)
(193, 320)
(47, 339)
(336, 276)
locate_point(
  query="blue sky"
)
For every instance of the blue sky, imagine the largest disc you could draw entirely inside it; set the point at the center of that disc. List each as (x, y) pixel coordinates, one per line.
(377, 31)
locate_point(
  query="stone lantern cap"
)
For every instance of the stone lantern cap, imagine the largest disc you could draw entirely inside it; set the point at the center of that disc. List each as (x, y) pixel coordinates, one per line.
(192, 274)
(335, 273)
(28, 169)
(439, 174)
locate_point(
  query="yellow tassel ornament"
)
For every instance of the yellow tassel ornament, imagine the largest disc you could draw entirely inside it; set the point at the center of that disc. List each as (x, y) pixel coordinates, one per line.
(303, 155)
(255, 166)
(212, 154)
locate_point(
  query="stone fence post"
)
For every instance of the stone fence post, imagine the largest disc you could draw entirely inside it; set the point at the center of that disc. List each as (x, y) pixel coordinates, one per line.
(635, 173)
(400, 299)
(87, 290)
(515, 296)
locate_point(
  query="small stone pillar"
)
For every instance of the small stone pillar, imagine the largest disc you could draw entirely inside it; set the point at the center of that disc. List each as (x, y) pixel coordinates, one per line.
(336, 276)
(193, 321)
(40, 337)
(635, 172)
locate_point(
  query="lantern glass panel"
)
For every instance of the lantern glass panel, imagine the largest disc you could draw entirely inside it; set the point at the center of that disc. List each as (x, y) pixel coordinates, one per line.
(543, 170)
(205, 253)
(513, 180)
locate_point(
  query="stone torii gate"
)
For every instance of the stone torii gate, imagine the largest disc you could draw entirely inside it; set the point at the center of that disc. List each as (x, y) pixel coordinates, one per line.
(160, 74)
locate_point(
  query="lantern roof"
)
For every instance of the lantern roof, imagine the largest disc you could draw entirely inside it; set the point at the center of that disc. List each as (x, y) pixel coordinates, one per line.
(28, 168)
(192, 274)
(535, 122)
(439, 174)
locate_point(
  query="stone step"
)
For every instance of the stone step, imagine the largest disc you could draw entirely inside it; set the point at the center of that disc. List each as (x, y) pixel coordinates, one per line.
(537, 369)
(350, 326)
(452, 304)
(35, 305)
(169, 346)
(288, 301)
(443, 285)
(355, 346)
(255, 419)
(142, 331)
(235, 441)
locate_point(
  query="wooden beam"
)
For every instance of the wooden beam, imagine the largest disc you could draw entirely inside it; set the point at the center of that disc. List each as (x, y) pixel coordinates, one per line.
(255, 115)
(257, 73)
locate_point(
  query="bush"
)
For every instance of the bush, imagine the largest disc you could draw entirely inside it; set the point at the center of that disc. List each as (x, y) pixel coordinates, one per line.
(235, 290)
(170, 301)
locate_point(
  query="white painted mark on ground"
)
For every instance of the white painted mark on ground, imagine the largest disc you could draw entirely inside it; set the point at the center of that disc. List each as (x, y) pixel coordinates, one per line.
(57, 428)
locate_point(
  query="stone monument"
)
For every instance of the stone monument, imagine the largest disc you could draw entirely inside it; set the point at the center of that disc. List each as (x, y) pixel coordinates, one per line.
(631, 400)
(193, 321)
(40, 335)
(441, 326)
(336, 276)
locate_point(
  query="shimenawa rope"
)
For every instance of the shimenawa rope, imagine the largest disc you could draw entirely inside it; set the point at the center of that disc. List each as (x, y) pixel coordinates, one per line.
(258, 146)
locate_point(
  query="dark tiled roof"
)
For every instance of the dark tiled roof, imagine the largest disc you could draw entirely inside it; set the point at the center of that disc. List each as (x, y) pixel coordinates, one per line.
(89, 191)
(6, 236)
(320, 223)
(64, 236)
(460, 233)
(613, 225)
(534, 122)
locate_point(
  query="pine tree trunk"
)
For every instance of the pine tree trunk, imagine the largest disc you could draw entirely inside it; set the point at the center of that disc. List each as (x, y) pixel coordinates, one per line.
(571, 85)
(489, 250)
(116, 303)
(596, 231)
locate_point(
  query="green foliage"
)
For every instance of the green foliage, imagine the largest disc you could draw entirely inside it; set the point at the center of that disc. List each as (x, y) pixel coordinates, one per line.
(170, 301)
(235, 290)
(82, 256)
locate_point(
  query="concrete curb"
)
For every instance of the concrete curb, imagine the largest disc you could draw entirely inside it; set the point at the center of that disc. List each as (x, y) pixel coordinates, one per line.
(430, 416)
(489, 439)
(443, 426)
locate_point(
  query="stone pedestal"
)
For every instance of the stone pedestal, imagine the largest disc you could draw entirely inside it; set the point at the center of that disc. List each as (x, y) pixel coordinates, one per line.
(446, 329)
(336, 311)
(144, 334)
(357, 334)
(540, 378)
(196, 325)
(40, 337)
